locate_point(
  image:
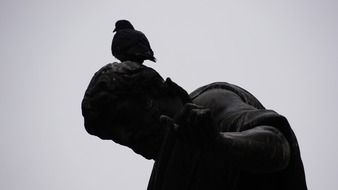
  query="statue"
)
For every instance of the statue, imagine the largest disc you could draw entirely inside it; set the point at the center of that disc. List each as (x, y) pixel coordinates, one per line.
(217, 137)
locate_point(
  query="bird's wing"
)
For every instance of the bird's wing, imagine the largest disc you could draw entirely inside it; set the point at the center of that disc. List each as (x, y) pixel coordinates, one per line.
(141, 46)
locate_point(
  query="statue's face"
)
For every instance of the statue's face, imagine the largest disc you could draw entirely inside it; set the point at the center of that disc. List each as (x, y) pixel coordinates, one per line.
(137, 124)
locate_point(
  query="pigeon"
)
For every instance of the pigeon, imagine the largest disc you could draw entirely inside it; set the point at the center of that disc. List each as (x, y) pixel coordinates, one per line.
(129, 44)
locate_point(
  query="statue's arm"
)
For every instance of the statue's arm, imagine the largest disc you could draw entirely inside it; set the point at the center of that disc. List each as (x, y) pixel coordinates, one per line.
(260, 149)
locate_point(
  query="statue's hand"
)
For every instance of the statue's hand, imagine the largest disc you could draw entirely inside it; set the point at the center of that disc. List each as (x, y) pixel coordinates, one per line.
(195, 125)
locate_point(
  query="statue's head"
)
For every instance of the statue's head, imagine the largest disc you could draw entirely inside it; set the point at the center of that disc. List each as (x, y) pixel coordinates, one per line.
(124, 102)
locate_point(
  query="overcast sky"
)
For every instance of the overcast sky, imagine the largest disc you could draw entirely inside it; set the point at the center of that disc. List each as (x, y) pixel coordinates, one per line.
(283, 52)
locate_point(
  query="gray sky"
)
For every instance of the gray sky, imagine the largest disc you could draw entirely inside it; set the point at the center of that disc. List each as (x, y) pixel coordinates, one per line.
(284, 52)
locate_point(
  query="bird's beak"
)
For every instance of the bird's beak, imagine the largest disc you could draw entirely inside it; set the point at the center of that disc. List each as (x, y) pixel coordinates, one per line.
(114, 30)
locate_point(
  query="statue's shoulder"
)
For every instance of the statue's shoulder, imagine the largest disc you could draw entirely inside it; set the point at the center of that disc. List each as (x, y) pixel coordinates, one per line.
(214, 85)
(246, 96)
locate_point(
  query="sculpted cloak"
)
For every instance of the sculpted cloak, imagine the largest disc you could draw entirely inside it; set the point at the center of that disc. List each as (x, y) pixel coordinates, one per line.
(180, 166)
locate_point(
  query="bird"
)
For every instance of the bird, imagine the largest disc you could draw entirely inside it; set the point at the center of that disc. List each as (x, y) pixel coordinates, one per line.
(129, 44)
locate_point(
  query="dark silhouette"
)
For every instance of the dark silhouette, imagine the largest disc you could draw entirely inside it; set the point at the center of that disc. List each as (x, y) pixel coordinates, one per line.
(218, 137)
(129, 44)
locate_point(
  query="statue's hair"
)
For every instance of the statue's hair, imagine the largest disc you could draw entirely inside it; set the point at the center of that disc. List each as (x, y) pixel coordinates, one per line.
(123, 81)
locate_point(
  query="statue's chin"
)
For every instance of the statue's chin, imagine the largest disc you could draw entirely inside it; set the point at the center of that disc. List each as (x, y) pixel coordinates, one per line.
(145, 153)
(147, 148)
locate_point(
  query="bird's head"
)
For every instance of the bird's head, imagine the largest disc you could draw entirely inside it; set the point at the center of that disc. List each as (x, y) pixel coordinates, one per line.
(122, 24)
